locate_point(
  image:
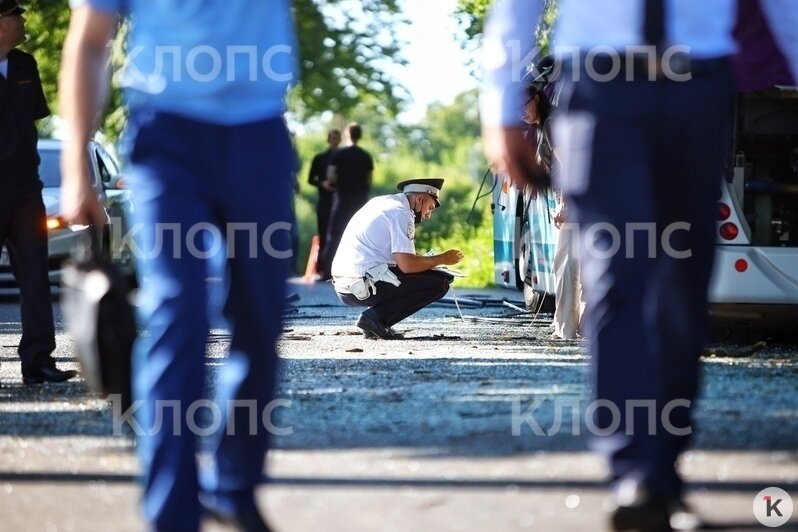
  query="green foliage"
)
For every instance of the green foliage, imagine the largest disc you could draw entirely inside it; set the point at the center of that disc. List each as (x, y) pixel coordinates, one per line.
(545, 30)
(46, 23)
(342, 43)
(473, 14)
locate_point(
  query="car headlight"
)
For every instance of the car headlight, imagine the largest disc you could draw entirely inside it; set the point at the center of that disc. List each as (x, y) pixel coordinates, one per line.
(56, 223)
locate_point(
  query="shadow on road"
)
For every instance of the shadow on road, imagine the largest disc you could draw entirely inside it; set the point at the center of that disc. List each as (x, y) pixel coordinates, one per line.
(490, 406)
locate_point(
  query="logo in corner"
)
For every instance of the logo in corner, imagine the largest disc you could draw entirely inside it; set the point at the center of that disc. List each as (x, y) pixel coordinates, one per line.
(772, 507)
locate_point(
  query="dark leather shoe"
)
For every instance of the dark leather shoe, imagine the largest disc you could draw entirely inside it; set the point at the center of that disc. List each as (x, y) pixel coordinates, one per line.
(372, 326)
(637, 509)
(682, 517)
(47, 374)
(395, 335)
(247, 518)
(649, 516)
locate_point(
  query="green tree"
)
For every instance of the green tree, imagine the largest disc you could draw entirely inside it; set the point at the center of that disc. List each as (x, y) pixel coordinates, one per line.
(473, 14)
(46, 26)
(342, 45)
(447, 126)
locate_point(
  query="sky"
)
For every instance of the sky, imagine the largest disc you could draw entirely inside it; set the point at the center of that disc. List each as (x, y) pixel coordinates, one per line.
(437, 67)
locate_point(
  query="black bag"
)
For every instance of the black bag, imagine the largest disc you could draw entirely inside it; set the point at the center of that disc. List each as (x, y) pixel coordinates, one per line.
(96, 300)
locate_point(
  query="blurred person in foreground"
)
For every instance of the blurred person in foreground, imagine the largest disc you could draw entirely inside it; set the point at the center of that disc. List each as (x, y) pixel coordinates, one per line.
(645, 150)
(203, 150)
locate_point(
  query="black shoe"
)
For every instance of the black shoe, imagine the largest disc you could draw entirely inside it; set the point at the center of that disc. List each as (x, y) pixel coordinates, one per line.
(637, 509)
(650, 516)
(372, 326)
(47, 374)
(682, 517)
(395, 335)
(247, 518)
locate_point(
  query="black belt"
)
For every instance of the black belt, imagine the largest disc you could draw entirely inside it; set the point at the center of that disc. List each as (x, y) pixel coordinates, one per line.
(654, 68)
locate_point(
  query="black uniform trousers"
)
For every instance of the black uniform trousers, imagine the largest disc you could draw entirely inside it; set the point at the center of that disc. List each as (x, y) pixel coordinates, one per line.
(344, 206)
(323, 208)
(645, 155)
(391, 304)
(23, 230)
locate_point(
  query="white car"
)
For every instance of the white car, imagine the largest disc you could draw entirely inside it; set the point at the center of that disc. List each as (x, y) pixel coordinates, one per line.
(62, 237)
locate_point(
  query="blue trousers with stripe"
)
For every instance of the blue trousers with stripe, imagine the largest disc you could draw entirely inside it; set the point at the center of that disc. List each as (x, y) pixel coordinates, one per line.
(193, 182)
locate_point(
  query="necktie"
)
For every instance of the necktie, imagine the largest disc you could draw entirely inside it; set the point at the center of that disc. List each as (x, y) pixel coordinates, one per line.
(654, 22)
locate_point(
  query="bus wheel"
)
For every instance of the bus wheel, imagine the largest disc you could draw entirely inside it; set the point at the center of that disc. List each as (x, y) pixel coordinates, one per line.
(537, 301)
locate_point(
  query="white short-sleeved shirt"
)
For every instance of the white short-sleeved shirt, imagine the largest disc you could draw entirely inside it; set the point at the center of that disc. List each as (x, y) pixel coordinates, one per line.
(384, 226)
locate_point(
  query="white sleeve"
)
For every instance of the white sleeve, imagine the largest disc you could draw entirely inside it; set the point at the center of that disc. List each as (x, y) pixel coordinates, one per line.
(782, 17)
(402, 229)
(506, 51)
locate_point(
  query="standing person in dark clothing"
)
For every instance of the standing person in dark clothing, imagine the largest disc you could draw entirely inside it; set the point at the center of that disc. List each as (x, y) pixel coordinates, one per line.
(318, 178)
(23, 219)
(350, 170)
(640, 148)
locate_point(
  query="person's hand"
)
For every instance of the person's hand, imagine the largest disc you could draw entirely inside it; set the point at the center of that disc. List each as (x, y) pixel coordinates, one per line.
(79, 203)
(559, 219)
(507, 150)
(326, 185)
(453, 256)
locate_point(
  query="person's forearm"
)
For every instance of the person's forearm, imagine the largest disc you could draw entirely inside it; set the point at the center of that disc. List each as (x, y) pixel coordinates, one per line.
(509, 39)
(83, 79)
(419, 263)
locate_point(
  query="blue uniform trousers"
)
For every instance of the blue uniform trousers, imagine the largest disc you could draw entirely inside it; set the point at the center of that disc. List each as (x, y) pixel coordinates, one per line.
(647, 153)
(188, 177)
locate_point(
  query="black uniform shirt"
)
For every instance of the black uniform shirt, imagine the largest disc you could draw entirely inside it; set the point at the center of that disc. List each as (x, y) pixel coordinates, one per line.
(318, 171)
(353, 166)
(22, 102)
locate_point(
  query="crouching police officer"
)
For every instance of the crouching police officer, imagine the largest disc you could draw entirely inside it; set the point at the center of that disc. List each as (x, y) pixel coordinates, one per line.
(376, 264)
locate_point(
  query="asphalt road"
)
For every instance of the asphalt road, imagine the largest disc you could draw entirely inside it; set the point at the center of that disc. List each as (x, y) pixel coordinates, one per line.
(407, 435)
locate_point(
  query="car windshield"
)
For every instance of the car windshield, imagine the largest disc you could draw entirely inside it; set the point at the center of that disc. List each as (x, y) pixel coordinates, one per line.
(50, 167)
